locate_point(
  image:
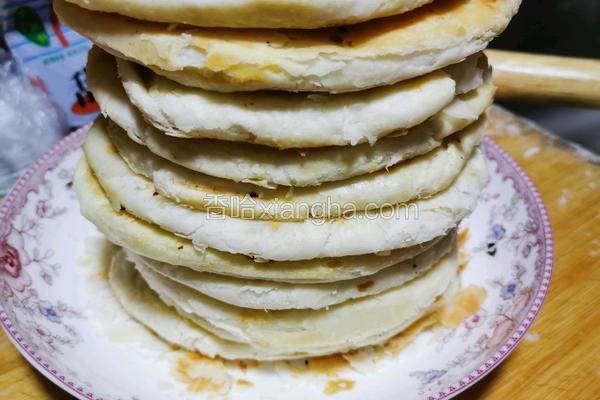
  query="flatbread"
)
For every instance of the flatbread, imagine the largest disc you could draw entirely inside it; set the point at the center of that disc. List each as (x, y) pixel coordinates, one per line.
(150, 241)
(376, 53)
(265, 167)
(359, 233)
(254, 13)
(287, 120)
(280, 334)
(406, 181)
(356, 322)
(268, 295)
(145, 306)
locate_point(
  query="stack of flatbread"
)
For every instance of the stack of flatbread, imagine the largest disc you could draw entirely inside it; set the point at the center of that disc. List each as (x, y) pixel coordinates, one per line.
(284, 178)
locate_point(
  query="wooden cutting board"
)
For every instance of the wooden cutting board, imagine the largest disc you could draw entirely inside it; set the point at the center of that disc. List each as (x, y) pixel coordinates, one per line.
(560, 357)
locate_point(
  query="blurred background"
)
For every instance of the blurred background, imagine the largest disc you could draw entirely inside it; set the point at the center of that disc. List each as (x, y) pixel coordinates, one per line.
(37, 53)
(567, 28)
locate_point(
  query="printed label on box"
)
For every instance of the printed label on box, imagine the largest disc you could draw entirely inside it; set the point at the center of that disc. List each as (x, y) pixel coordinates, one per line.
(51, 54)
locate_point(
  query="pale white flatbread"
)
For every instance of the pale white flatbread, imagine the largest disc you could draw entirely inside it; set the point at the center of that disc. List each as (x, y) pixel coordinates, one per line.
(286, 120)
(409, 180)
(269, 295)
(152, 242)
(380, 317)
(360, 233)
(375, 53)
(266, 167)
(255, 13)
(356, 322)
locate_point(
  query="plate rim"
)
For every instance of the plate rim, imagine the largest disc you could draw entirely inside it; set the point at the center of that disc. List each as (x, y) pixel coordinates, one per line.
(74, 141)
(540, 297)
(61, 149)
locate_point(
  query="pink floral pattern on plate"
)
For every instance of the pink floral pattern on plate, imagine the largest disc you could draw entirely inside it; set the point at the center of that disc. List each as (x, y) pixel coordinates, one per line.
(42, 307)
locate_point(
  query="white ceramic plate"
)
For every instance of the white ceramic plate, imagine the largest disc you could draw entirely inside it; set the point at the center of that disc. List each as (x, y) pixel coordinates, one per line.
(56, 309)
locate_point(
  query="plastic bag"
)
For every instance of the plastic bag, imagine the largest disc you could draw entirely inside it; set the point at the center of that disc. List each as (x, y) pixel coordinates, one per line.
(29, 122)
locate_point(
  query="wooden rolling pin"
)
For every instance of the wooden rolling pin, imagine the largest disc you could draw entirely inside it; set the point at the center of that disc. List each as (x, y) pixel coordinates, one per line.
(524, 76)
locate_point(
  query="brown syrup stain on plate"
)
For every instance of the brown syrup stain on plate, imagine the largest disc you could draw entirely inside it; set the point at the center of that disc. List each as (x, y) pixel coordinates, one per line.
(463, 237)
(463, 256)
(466, 303)
(327, 365)
(244, 383)
(335, 386)
(202, 374)
(463, 260)
(331, 366)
